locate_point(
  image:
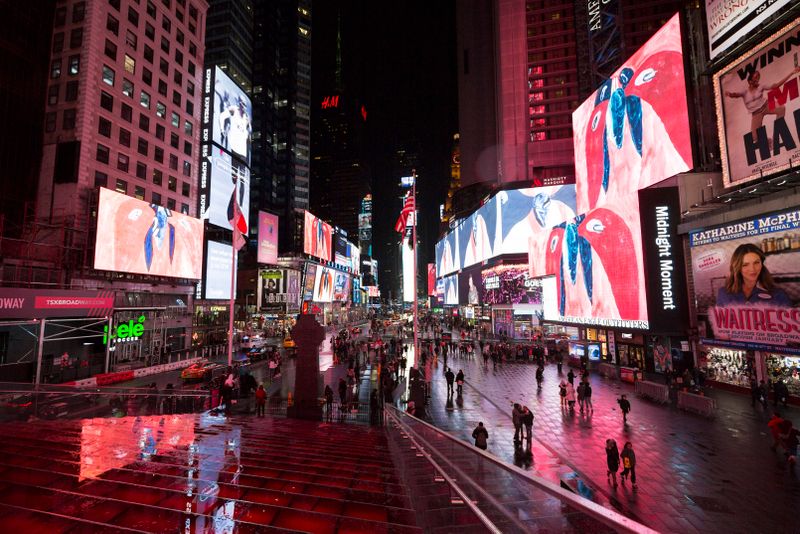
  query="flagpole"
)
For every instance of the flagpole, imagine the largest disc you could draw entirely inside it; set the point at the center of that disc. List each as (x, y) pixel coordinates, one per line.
(233, 269)
(414, 240)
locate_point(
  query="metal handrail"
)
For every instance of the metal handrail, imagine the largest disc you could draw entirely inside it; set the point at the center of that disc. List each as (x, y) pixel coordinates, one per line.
(607, 517)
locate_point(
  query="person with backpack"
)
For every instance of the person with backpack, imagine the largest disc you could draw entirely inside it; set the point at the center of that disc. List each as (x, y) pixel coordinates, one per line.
(628, 464)
(481, 436)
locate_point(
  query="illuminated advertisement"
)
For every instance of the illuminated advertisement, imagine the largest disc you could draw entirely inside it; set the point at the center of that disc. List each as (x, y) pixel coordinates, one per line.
(431, 279)
(324, 284)
(373, 291)
(216, 195)
(227, 114)
(354, 253)
(267, 238)
(18, 303)
(510, 284)
(758, 102)
(340, 248)
(631, 133)
(746, 282)
(272, 288)
(311, 277)
(730, 22)
(511, 222)
(469, 287)
(407, 257)
(217, 280)
(317, 237)
(136, 237)
(451, 290)
(341, 286)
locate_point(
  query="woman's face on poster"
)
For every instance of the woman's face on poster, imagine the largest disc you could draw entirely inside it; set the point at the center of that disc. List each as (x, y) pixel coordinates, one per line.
(751, 268)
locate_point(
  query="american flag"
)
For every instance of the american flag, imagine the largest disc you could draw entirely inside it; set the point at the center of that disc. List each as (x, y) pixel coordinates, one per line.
(408, 209)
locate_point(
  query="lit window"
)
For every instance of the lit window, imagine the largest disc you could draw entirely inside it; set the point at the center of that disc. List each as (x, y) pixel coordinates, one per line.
(161, 110)
(176, 120)
(187, 127)
(55, 68)
(122, 186)
(130, 64)
(108, 75)
(138, 192)
(127, 87)
(74, 65)
(144, 99)
(172, 185)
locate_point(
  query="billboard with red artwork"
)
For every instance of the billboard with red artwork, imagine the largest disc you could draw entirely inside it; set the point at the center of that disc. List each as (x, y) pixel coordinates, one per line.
(317, 237)
(267, 238)
(431, 279)
(631, 133)
(136, 237)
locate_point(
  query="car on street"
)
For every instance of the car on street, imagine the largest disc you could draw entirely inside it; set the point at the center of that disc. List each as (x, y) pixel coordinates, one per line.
(205, 371)
(288, 343)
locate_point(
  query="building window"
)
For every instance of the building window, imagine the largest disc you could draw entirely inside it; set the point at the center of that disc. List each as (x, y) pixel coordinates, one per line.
(127, 87)
(133, 17)
(60, 17)
(110, 50)
(173, 162)
(126, 112)
(122, 162)
(156, 198)
(114, 4)
(179, 36)
(178, 57)
(162, 87)
(138, 192)
(130, 64)
(177, 77)
(78, 12)
(148, 54)
(189, 107)
(187, 168)
(50, 121)
(71, 94)
(124, 137)
(76, 38)
(187, 127)
(191, 68)
(185, 189)
(174, 142)
(130, 39)
(172, 184)
(193, 49)
(100, 179)
(147, 76)
(149, 31)
(55, 69)
(151, 9)
(122, 186)
(187, 148)
(108, 75)
(69, 119)
(52, 94)
(161, 110)
(106, 101)
(166, 24)
(58, 42)
(176, 121)
(165, 45)
(144, 99)
(184, 208)
(170, 203)
(159, 154)
(74, 65)
(160, 131)
(157, 177)
(112, 24)
(142, 146)
(176, 98)
(102, 153)
(163, 66)
(144, 122)
(190, 88)
(104, 127)
(141, 171)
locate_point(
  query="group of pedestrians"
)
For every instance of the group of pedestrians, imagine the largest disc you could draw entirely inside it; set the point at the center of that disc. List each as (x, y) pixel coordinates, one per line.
(568, 393)
(613, 457)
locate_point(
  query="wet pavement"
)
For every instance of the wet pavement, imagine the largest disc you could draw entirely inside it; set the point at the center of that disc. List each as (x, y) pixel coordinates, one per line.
(694, 474)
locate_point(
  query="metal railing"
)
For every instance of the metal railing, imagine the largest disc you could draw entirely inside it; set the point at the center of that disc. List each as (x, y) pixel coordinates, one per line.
(652, 390)
(699, 404)
(504, 497)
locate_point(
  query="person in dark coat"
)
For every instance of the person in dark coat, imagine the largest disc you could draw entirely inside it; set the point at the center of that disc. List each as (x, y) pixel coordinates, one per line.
(460, 382)
(612, 460)
(625, 406)
(628, 463)
(481, 436)
(450, 378)
(781, 393)
(516, 418)
(342, 391)
(571, 377)
(527, 421)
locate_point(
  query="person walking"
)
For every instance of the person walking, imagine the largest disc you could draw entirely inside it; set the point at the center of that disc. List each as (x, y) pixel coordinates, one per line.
(562, 392)
(449, 378)
(755, 392)
(261, 400)
(774, 425)
(342, 392)
(763, 394)
(625, 406)
(781, 392)
(460, 382)
(579, 391)
(481, 436)
(516, 418)
(612, 460)
(527, 420)
(571, 377)
(587, 397)
(628, 464)
(571, 396)
(539, 376)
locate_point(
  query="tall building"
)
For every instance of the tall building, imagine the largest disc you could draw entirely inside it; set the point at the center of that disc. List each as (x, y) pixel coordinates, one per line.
(229, 39)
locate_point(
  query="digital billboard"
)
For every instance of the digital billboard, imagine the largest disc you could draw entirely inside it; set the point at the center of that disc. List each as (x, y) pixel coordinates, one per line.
(227, 114)
(340, 248)
(469, 287)
(136, 237)
(341, 286)
(729, 22)
(431, 279)
(745, 281)
(217, 280)
(272, 288)
(267, 238)
(317, 237)
(324, 284)
(758, 104)
(407, 259)
(509, 284)
(506, 224)
(18, 303)
(310, 279)
(216, 192)
(451, 290)
(631, 133)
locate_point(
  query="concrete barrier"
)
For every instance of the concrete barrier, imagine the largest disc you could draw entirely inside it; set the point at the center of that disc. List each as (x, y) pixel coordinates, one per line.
(652, 390)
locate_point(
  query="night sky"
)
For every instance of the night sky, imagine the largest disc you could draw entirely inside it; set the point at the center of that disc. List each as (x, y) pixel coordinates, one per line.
(399, 59)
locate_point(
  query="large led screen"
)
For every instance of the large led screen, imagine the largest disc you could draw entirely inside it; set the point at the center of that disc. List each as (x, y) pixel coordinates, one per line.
(508, 223)
(431, 279)
(136, 237)
(469, 287)
(510, 284)
(451, 290)
(745, 281)
(730, 21)
(267, 238)
(631, 133)
(324, 284)
(217, 281)
(758, 101)
(407, 258)
(232, 127)
(341, 286)
(216, 201)
(317, 237)
(310, 280)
